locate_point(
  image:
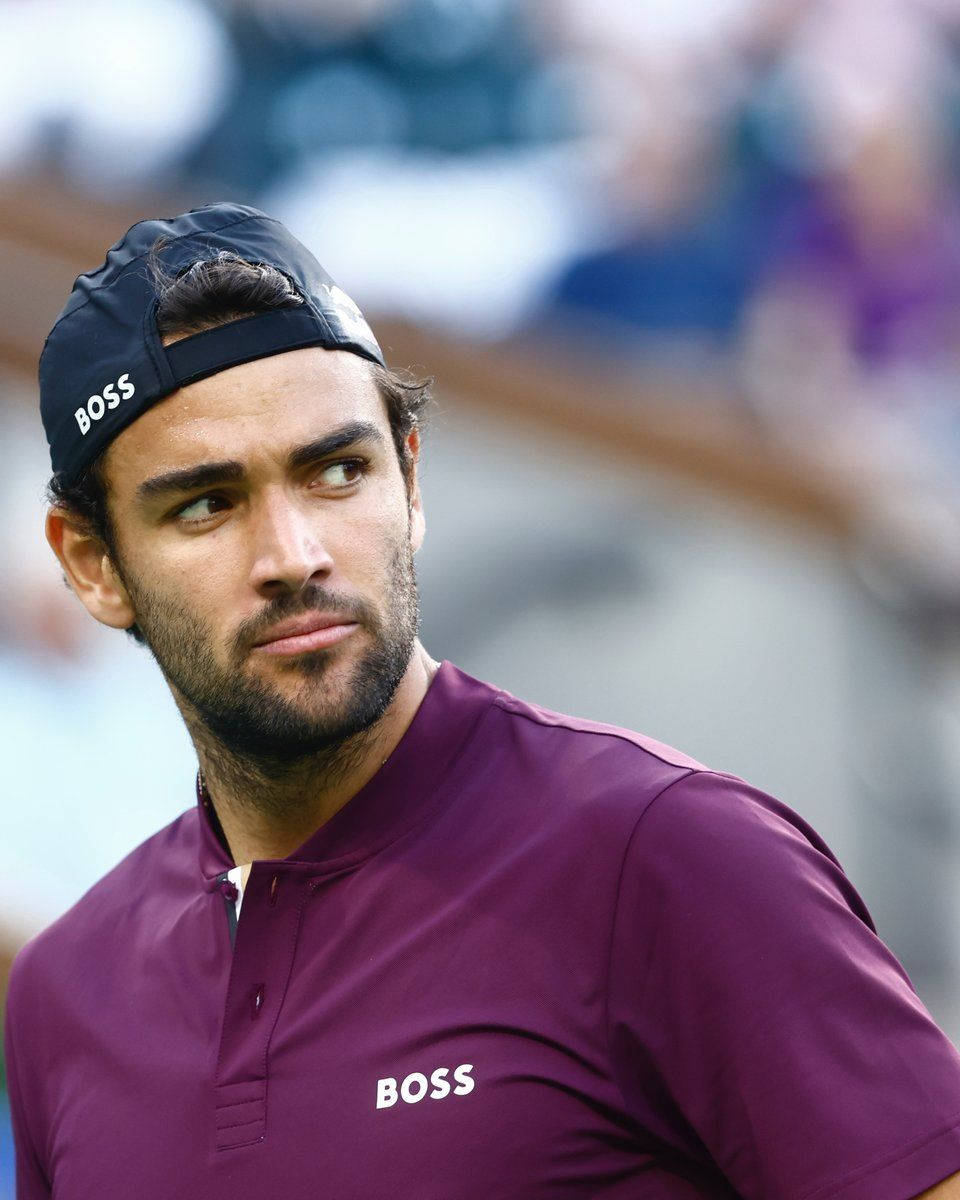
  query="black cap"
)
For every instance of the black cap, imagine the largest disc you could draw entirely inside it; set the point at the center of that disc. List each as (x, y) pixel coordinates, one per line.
(103, 363)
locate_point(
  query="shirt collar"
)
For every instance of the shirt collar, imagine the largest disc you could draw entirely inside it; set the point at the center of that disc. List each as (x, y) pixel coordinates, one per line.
(400, 794)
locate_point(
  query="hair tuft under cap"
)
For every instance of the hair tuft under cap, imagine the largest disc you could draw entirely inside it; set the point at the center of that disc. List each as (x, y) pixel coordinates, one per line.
(104, 363)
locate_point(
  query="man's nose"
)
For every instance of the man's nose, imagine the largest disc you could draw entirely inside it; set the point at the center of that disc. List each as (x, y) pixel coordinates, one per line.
(289, 551)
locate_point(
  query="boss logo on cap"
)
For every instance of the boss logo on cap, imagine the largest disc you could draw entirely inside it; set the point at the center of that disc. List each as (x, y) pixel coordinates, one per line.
(351, 318)
(96, 406)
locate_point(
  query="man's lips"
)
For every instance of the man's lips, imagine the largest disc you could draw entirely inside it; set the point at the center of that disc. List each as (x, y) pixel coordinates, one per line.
(312, 631)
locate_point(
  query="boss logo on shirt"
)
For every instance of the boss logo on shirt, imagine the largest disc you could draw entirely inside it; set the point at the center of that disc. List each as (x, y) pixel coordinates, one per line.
(97, 405)
(416, 1085)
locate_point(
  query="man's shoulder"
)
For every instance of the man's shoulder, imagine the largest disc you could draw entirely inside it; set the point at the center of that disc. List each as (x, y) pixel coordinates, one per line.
(639, 774)
(570, 773)
(581, 758)
(590, 737)
(568, 781)
(114, 900)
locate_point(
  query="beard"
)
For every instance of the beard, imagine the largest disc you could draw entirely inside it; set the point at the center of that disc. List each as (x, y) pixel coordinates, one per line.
(255, 725)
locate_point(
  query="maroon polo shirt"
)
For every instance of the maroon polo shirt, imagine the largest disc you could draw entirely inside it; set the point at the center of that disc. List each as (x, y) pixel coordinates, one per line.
(533, 958)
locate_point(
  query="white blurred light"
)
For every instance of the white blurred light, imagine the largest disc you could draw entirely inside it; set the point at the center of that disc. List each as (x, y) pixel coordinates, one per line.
(852, 66)
(653, 26)
(120, 86)
(29, 74)
(462, 243)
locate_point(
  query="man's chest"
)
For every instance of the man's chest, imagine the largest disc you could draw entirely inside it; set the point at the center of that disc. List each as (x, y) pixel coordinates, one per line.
(356, 1042)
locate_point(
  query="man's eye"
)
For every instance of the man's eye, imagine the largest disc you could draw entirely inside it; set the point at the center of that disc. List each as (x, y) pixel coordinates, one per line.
(201, 509)
(342, 474)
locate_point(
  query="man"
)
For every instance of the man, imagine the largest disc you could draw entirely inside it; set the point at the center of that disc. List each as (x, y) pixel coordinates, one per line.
(483, 950)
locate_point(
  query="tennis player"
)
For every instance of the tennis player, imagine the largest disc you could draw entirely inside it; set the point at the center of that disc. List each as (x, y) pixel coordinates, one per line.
(416, 938)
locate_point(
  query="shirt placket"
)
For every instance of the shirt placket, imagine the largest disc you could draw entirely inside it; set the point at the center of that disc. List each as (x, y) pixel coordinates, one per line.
(263, 954)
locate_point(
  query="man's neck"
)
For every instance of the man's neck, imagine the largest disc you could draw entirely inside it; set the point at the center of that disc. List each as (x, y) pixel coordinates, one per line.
(267, 815)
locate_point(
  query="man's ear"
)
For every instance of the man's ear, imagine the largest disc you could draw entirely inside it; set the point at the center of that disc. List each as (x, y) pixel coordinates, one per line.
(414, 500)
(89, 570)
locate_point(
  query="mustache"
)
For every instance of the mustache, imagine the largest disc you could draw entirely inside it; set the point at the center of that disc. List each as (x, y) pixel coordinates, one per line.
(311, 599)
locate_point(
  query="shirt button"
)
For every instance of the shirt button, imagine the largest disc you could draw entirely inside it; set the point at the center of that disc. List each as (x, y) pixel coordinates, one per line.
(274, 885)
(258, 1000)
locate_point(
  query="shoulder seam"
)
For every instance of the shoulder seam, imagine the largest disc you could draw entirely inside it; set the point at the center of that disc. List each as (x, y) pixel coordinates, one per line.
(610, 732)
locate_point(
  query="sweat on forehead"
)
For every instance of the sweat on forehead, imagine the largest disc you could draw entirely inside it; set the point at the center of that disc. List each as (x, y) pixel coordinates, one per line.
(104, 362)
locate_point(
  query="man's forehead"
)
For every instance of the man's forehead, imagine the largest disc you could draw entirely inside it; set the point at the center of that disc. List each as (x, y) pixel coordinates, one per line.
(261, 410)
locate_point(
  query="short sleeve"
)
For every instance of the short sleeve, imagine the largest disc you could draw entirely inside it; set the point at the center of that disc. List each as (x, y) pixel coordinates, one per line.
(757, 1021)
(31, 1181)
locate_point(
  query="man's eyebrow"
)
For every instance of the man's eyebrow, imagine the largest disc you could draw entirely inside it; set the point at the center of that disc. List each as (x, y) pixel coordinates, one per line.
(207, 475)
(190, 478)
(330, 443)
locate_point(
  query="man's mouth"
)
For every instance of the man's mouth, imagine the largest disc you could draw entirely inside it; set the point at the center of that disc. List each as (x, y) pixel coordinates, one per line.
(310, 631)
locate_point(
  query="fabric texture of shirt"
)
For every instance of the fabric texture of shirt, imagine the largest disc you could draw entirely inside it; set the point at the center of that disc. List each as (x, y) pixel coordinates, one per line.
(534, 958)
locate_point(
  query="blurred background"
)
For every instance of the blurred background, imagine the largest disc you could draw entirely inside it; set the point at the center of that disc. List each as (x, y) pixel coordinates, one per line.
(687, 273)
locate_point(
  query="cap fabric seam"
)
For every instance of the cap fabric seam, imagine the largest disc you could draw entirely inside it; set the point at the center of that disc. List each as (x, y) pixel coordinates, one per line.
(148, 332)
(173, 241)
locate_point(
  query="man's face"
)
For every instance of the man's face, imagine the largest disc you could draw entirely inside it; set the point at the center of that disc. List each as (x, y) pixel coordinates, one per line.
(265, 536)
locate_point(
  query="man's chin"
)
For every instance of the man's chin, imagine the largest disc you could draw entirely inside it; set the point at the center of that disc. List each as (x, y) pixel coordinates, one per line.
(304, 679)
(275, 727)
(316, 688)
(307, 704)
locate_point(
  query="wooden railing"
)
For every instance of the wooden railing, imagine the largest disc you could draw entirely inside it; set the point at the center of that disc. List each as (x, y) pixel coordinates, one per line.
(48, 237)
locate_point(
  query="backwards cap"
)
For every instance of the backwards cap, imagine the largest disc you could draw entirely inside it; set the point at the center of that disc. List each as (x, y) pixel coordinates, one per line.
(103, 362)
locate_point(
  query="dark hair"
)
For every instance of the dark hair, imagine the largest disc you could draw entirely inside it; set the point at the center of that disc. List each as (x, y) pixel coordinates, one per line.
(211, 293)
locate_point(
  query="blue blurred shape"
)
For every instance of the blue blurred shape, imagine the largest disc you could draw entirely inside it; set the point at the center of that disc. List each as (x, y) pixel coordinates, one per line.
(343, 103)
(6, 1151)
(442, 33)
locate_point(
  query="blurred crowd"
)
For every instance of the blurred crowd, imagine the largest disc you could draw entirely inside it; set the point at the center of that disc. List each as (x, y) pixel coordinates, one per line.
(766, 188)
